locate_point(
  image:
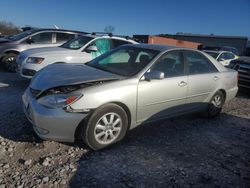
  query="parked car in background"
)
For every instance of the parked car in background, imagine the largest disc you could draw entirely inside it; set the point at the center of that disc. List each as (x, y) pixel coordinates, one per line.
(230, 49)
(78, 50)
(11, 46)
(224, 57)
(242, 65)
(119, 90)
(223, 48)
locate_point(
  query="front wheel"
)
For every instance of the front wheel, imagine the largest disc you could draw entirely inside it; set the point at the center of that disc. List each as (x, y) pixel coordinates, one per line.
(9, 61)
(215, 105)
(106, 126)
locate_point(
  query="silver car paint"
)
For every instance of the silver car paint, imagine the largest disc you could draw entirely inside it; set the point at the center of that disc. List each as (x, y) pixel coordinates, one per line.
(21, 45)
(136, 94)
(62, 74)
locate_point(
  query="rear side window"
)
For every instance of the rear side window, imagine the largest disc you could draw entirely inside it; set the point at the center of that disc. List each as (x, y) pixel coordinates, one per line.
(117, 43)
(43, 38)
(63, 37)
(197, 63)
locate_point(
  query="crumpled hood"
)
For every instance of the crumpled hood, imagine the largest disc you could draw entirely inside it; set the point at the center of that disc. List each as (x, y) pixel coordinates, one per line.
(68, 74)
(42, 52)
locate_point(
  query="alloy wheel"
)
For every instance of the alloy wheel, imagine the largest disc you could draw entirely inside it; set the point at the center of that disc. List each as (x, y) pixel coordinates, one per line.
(108, 128)
(216, 104)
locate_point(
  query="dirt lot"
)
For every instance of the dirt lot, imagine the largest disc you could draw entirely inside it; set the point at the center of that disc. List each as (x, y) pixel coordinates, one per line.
(182, 152)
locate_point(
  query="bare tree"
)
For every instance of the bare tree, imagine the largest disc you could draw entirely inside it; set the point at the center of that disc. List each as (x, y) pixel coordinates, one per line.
(109, 29)
(8, 28)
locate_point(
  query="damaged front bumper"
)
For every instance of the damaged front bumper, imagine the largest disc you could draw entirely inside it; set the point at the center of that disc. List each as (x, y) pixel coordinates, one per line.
(51, 124)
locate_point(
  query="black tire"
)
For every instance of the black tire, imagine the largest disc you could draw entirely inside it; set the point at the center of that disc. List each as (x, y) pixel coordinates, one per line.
(90, 130)
(215, 105)
(9, 62)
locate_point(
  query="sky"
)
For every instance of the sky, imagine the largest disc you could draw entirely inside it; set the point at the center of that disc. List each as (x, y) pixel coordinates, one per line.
(128, 17)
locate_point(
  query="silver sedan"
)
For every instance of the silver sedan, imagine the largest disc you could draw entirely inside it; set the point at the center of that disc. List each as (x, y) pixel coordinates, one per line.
(100, 101)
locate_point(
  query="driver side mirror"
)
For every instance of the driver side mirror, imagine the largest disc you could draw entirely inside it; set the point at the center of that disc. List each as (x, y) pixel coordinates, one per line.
(29, 40)
(154, 75)
(91, 49)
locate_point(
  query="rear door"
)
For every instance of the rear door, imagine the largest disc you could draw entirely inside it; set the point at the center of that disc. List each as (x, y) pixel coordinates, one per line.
(63, 37)
(203, 77)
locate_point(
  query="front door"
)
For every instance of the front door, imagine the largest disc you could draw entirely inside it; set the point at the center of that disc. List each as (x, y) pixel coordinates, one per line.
(161, 98)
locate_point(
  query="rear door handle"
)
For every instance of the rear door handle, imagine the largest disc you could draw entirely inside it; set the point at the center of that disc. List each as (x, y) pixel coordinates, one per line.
(182, 84)
(216, 78)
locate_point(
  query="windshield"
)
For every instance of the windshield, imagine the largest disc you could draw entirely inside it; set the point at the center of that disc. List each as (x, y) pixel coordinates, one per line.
(77, 43)
(19, 36)
(213, 54)
(125, 61)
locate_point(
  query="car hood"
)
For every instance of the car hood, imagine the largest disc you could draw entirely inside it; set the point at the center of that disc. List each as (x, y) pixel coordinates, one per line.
(4, 40)
(56, 75)
(42, 52)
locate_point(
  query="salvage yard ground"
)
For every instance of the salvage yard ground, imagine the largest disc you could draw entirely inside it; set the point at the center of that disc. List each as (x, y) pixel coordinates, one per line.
(181, 152)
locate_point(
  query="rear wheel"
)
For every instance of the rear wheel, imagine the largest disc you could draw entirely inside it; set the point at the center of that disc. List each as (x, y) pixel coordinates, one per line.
(9, 62)
(106, 126)
(215, 106)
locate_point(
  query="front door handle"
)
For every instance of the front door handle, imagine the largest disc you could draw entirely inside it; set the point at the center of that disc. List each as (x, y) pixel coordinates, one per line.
(182, 84)
(216, 78)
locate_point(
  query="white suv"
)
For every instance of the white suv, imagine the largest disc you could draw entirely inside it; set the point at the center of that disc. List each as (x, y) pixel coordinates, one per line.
(78, 50)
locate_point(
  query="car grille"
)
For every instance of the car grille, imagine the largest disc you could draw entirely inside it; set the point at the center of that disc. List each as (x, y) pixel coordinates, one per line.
(28, 72)
(35, 92)
(244, 75)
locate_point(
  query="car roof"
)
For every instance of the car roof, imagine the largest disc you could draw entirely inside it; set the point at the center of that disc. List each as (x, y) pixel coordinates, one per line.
(154, 46)
(51, 29)
(216, 51)
(124, 38)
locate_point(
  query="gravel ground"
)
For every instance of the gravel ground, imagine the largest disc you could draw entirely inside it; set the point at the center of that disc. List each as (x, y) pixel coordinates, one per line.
(187, 151)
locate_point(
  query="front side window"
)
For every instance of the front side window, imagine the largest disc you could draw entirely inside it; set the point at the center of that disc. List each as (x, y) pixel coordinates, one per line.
(122, 61)
(171, 64)
(198, 63)
(63, 37)
(42, 38)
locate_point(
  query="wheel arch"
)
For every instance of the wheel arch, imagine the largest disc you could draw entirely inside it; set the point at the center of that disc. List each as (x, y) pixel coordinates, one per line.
(224, 93)
(80, 127)
(12, 51)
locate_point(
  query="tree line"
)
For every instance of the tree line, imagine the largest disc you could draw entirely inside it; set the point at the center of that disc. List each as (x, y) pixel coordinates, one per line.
(8, 28)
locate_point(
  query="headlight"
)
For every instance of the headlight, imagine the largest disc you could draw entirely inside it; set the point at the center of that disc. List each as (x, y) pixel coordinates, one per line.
(59, 100)
(35, 60)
